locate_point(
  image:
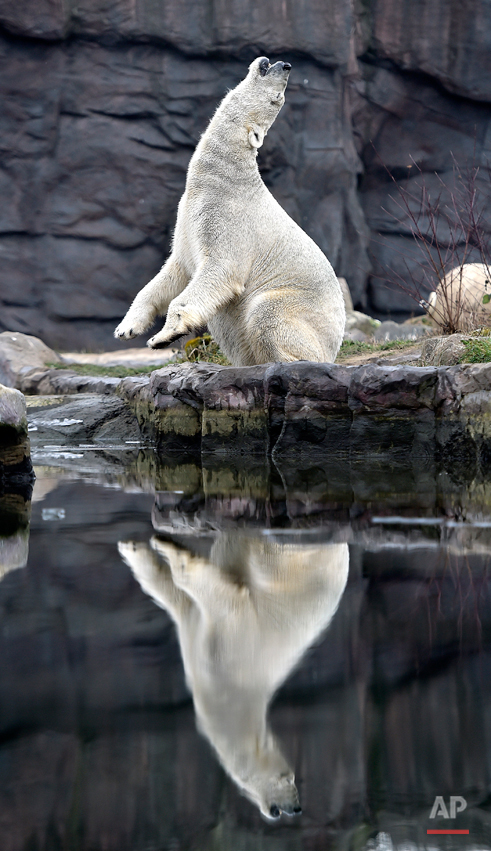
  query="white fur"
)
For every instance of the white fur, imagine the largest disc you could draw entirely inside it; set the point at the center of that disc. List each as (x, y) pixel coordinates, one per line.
(245, 617)
(239, 263)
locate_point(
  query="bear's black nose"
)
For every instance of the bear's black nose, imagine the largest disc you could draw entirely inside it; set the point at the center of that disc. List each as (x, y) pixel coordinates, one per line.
(287, 66)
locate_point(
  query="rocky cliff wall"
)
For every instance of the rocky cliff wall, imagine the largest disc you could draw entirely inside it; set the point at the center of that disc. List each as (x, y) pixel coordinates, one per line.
(103, 103)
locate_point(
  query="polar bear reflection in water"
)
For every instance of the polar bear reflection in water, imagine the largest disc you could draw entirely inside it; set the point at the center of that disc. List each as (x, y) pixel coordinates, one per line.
(244, 616)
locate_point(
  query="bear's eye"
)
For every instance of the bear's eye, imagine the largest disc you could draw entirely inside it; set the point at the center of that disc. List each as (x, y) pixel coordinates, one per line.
(263, 67)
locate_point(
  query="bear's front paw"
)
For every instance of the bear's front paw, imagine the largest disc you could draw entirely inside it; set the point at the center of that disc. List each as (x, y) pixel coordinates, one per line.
(162, 341)
(164, 548)
(130, 327)
(178, 559)
(177, 323)
(129, 548)
(125, 331)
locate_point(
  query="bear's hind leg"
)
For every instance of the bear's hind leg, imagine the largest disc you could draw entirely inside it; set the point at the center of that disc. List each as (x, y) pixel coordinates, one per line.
(274, 348)
(277, 335)
(153, 300)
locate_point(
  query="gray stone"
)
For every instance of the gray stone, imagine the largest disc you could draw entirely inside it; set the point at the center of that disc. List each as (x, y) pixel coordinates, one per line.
(53, 381)
(81, 418)
(356, 336)
(361, 322)
(14, 441)
(132, 358)
(21, 352)
(348, 301)
(91, 435)
(390, 330)
(378, 388)
(442, 351)
(13, 409)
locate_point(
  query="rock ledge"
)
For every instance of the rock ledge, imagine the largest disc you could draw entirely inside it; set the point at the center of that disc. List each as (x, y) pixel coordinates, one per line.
(304, 406)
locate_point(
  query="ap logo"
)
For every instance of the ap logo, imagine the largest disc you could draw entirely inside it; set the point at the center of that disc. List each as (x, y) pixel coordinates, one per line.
(457, 805)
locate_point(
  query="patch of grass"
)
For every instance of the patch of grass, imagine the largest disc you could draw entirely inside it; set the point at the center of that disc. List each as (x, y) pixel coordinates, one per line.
(477, 350)
(203, 350)
(356, 347)
(120, 371)
(200, 349)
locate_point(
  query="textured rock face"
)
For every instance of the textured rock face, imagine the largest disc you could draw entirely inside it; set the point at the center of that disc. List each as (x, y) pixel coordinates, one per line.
(406, 125)
(320, 29)
(105, 101)
(449, 41)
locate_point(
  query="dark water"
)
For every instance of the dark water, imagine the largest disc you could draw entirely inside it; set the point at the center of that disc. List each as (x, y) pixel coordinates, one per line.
(170, 661)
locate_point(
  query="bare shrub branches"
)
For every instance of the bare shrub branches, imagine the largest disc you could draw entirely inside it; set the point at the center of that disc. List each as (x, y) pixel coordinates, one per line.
(449, 222)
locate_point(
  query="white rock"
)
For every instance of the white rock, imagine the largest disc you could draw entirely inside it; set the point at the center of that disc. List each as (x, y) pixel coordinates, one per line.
(13, 408)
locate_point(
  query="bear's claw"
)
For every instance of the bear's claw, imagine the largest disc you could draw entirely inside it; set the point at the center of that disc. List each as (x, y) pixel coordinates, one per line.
(156, 343)
(121, 334)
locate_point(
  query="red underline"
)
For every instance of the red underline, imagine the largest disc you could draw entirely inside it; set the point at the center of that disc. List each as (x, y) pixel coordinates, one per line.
(447, 831)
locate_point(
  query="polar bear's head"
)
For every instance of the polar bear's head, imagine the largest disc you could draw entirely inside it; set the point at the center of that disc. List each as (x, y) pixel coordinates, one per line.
(279, 796)
(262, 95)
(273, 791)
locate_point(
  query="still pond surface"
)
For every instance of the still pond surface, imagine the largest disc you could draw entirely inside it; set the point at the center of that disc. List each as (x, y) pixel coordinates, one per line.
(188, 663)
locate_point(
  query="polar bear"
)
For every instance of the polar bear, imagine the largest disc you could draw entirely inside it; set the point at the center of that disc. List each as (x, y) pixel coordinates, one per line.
(462, 301)
(239, 263)
(245, 616)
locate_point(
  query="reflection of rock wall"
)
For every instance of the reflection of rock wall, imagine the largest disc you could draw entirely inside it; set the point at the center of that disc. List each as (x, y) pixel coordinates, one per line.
(15, 512)
(106, 100)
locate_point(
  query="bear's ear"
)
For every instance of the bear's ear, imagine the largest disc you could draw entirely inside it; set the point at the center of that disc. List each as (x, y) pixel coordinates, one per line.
(256, 136)
(260, 64)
